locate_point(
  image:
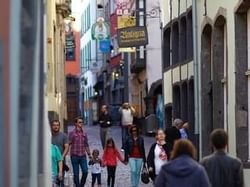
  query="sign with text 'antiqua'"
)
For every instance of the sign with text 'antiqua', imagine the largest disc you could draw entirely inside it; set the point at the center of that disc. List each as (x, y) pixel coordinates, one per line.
(132, 36)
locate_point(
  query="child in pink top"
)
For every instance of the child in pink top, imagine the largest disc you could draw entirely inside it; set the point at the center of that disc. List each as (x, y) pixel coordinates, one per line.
(110, 156)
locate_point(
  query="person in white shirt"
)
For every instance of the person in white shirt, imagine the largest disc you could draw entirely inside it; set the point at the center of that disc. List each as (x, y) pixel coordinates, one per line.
(158, 155)
(96, 168)
(127, 113)
(184, 131)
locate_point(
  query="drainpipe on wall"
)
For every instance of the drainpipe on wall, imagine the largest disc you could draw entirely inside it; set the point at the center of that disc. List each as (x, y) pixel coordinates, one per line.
(197, 77)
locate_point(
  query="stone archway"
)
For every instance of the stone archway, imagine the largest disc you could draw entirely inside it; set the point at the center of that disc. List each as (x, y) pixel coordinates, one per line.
(206, 87)
(219, 83)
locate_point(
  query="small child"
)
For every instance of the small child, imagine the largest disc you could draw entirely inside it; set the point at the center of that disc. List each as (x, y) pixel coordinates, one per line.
(110, 157)
(96, 169)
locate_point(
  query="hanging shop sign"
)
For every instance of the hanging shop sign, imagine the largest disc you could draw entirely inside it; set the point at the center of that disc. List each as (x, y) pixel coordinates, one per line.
(104, 46)
(100, 30)
(132, 36)
(126, 21)
(125, 7)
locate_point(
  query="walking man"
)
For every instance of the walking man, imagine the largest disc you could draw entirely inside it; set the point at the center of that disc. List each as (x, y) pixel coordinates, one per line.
(127, 113)
(105, 124)
(173, 133)
(60, 139)
(222, 169)
(79, 149)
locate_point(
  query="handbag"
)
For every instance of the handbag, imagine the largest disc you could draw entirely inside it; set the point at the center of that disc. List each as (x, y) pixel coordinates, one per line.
(145, 175)
(65, 167)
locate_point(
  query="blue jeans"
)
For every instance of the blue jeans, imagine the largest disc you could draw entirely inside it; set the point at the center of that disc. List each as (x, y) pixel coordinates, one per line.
(125, 135)
(135, 168)
(82, 162)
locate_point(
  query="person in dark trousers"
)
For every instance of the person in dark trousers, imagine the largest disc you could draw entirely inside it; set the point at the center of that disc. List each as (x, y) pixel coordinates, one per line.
(95, 165)
(110, 157)
(158, 155)
(135, 154)
(222, 169)
(79, 149)
(105, 124)
(173, 133)
(60, 139)
(127, 112)
(182, 170)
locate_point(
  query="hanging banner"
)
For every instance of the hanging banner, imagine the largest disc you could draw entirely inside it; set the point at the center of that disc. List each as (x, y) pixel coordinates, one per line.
(100, 30)
(132, 36)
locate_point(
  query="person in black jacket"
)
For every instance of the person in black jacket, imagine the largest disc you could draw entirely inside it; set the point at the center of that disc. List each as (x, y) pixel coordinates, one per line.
(173, 133)
(105, 124)
(158, 155)
(223, 169)
(135, 155)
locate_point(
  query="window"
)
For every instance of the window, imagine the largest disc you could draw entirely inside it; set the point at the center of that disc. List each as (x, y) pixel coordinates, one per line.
(175, 44)
(189, 35)
(183, 39)
(166, 47)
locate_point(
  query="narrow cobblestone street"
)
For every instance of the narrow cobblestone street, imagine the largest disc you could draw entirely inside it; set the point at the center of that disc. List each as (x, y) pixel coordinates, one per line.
(122, 172)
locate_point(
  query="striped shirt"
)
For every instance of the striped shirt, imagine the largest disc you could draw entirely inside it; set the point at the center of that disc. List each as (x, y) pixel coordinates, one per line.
(79, 142)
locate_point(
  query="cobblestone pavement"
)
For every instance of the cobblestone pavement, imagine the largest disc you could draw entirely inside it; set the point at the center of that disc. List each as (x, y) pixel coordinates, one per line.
(122, 172)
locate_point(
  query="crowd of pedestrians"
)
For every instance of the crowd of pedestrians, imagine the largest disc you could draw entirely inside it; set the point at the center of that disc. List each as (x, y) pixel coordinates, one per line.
(171, 160)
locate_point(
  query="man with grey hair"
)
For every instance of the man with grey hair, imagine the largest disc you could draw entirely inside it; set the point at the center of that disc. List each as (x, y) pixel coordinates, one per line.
(173, 133)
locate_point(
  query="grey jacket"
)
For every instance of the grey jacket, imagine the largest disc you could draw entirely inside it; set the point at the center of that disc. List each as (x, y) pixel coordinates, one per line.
(223, 170)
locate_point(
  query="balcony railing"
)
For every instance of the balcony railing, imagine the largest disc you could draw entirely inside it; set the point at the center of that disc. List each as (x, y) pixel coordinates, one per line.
(63, 7)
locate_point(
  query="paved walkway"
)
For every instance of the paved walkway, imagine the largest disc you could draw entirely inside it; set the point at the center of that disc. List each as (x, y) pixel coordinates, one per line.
(122, 172)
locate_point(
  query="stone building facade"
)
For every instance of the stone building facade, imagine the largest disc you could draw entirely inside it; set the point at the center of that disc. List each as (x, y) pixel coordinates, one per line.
(178, 74)
(223, 71)
(57, 11)
(223, 33)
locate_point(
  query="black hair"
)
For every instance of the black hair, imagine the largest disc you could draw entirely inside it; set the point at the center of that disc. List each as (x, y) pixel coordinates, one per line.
(134, 127)
(95, 151)
(55, 121)
(110, 140)
(77, 118)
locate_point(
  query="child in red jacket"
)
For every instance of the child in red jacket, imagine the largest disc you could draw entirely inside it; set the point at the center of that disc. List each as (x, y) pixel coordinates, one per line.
(110, 156)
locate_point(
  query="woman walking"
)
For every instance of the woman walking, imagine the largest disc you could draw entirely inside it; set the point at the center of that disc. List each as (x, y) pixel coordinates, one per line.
(158, 155)
(110, 156)
(135, 155)
(182, 170)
